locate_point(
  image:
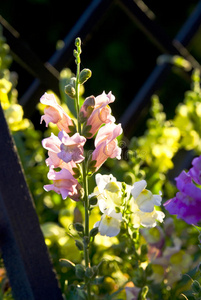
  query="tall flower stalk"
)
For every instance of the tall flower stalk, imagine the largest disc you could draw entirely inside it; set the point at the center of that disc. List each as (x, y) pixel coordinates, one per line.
(70, 168)
(84, 173)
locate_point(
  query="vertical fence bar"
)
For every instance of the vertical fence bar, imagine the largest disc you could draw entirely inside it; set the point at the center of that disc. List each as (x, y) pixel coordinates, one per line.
(21, 239)
(132, 113)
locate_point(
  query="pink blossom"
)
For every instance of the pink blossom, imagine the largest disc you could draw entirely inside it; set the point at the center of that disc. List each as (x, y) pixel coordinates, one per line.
(71, 147)
(101, 113)
(106, 144)
(54, 113)
(53, 144)
(63, 183)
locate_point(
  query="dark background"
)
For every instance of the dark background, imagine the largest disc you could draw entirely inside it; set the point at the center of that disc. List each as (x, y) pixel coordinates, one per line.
(119, 54)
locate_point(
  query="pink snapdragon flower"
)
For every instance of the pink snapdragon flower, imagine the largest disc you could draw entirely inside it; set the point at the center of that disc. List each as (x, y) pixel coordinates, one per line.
(106, 144)
(101, 113)
(71, 147)
(54, 113)
(53, 144)
(63, 183)
(195, 171)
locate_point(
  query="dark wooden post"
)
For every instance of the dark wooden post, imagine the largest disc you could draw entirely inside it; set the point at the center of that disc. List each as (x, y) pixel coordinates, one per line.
(24, 252)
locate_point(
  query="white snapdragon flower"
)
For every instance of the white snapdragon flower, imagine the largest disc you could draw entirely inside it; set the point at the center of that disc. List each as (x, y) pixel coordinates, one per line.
(144, 199)
(110, 222)
(108, 193)
(143, 206)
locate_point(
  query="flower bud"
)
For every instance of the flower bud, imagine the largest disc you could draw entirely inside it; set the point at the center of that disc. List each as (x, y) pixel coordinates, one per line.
(79, 245)
(70, 91)
(95, 270)
(94, 231)
(93, 200)
(79, 227)
(79, 271)
(77, 42)
(85, 74)
(77, 216)
(89, 272)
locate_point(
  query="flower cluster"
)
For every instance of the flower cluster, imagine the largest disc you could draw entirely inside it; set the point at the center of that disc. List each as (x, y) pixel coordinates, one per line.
(187, 202)
(113, 197)
(66, 151)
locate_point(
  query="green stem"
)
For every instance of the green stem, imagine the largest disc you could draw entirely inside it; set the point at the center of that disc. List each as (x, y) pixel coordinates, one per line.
(77, 89)
(85, 182)
(86, 233)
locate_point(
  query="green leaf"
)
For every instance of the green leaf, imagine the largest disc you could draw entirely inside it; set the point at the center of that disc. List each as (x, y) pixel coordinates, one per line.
(86, 130)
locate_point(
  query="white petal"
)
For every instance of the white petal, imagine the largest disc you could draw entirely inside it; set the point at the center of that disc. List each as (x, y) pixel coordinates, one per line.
(109, 226)
(157, 200)
(112, 213)
(149, 219)
(144, 201)
(102, 205)
(138, 187)
(102, 180)
(97, 224)
(160, 216)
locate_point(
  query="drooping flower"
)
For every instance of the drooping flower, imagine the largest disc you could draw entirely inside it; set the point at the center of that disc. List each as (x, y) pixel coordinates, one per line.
(187, 202)
(143, 204)
(101, 113)
(195, 171)
(54, 113)
(63, 183)
(53, 144)
(106, 144)
(71, 147)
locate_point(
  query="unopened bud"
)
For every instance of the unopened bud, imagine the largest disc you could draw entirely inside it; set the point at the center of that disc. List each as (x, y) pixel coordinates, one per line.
(79, 271)
(79, 227)
(77, 42)
(94, 231)
(70, 91)
(79, 245)
(85, 74)
(93, 200)
(89, 272)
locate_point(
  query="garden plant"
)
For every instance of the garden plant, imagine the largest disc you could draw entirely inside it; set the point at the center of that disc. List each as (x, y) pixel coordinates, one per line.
(115, 224)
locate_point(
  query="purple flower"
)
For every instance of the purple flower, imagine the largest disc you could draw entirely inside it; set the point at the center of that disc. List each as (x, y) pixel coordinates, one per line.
(187, 203)
(195, 171)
